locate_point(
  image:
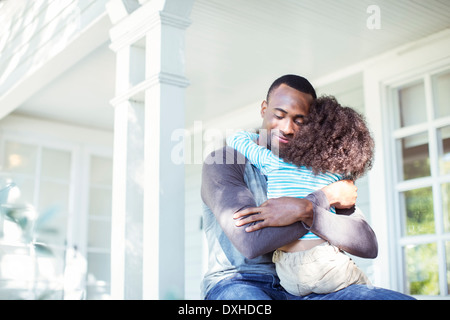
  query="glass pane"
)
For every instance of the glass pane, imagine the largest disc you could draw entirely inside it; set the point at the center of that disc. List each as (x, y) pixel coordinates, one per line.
(415, 156)
(20, 158)
(412, 105)
(52, 263)
(98, 269)
(418, 211)
(29, 275)
(26, 187)
(100, 202)
(422, 275)
(98, 276)
(53, 209)
(56, 164)
(16, 273)
(99, 234)
(444, 150)
(442, 95)
(101, 170)
(446, 206)
(98, 292)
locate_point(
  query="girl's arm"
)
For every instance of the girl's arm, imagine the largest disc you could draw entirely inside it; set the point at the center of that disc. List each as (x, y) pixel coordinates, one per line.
(245, 143)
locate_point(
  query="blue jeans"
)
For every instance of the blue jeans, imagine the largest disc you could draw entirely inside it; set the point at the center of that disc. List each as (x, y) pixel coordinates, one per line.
(247, 286)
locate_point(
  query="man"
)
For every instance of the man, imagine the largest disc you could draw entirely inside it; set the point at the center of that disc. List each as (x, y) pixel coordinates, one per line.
(240, 258)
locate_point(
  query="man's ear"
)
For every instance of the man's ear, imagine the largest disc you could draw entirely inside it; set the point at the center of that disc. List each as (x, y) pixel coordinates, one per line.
(263, 108)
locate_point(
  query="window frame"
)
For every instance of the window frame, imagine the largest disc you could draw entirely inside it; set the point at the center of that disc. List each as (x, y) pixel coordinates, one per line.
(82, 144)
(88, 249)
(435, 180)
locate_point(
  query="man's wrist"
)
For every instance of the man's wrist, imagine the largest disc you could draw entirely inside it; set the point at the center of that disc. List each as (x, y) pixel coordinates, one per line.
(316, 199)
(327, 195)
(307, 212)
(319, 198)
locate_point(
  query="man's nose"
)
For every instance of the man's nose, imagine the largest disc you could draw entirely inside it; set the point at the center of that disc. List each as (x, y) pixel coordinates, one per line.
(288, 128)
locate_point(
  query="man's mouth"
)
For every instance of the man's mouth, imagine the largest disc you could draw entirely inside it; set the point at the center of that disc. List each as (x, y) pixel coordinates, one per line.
(282, 139)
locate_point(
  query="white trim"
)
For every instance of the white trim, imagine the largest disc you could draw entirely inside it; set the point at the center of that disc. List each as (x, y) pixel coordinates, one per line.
(379, 196)
(135, 93)
(397, 67)
(57, 132)
(137, 24)
(380, 62)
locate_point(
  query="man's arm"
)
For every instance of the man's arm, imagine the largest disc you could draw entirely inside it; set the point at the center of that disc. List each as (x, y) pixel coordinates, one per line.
(225, 192)
(347, 229)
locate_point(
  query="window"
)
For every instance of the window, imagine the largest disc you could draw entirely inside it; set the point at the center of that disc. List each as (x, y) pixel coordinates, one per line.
(70, 187)
(99, 228)
(43, 176)
(421, 158)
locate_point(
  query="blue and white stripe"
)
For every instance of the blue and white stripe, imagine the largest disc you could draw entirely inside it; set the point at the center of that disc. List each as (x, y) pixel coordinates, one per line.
(283, 179)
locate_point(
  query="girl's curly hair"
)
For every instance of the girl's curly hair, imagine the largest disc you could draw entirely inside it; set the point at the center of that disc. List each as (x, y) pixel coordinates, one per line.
(332, 138)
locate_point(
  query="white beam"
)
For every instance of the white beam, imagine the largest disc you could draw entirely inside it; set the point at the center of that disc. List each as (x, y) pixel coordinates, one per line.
(149, 39)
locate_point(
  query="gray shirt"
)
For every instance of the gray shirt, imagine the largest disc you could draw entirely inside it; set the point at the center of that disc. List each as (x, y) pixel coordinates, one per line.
(229, 184)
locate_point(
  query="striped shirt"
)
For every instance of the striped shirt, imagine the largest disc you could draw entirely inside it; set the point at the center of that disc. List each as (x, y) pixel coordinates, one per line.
(283, 179)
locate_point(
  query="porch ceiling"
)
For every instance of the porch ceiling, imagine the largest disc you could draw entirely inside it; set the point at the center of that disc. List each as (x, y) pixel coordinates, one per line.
(236, 48)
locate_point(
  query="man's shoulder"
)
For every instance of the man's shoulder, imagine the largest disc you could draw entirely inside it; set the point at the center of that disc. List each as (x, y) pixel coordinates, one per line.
(225, 155)
(224, 164)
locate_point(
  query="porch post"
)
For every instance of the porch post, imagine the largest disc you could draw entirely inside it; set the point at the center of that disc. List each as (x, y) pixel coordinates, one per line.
(147, 258)
(128, 185)
(164, 203)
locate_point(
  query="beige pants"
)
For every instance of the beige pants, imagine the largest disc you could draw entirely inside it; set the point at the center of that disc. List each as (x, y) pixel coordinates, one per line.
(321, 269)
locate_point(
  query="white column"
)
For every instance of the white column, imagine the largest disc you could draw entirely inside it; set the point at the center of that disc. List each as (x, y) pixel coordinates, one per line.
(148, 187)
(128, 182)
(164, 180)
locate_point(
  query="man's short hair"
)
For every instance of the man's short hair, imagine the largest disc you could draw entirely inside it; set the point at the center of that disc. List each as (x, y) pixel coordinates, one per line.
(294, 81)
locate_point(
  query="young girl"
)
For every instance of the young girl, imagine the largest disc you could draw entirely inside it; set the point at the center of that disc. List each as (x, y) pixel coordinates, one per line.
(333, 143)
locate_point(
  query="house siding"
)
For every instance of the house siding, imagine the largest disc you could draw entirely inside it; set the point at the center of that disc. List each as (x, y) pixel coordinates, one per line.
(39, 40)
(35, 31)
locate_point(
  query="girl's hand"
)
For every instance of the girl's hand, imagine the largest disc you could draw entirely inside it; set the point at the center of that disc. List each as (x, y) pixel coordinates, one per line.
(341, 194)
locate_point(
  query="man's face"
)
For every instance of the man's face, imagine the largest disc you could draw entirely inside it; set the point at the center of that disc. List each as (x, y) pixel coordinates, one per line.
(283, 114)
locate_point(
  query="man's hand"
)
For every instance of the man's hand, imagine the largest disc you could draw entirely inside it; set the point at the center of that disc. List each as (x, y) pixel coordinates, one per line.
(341, 194)
(276, 212)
